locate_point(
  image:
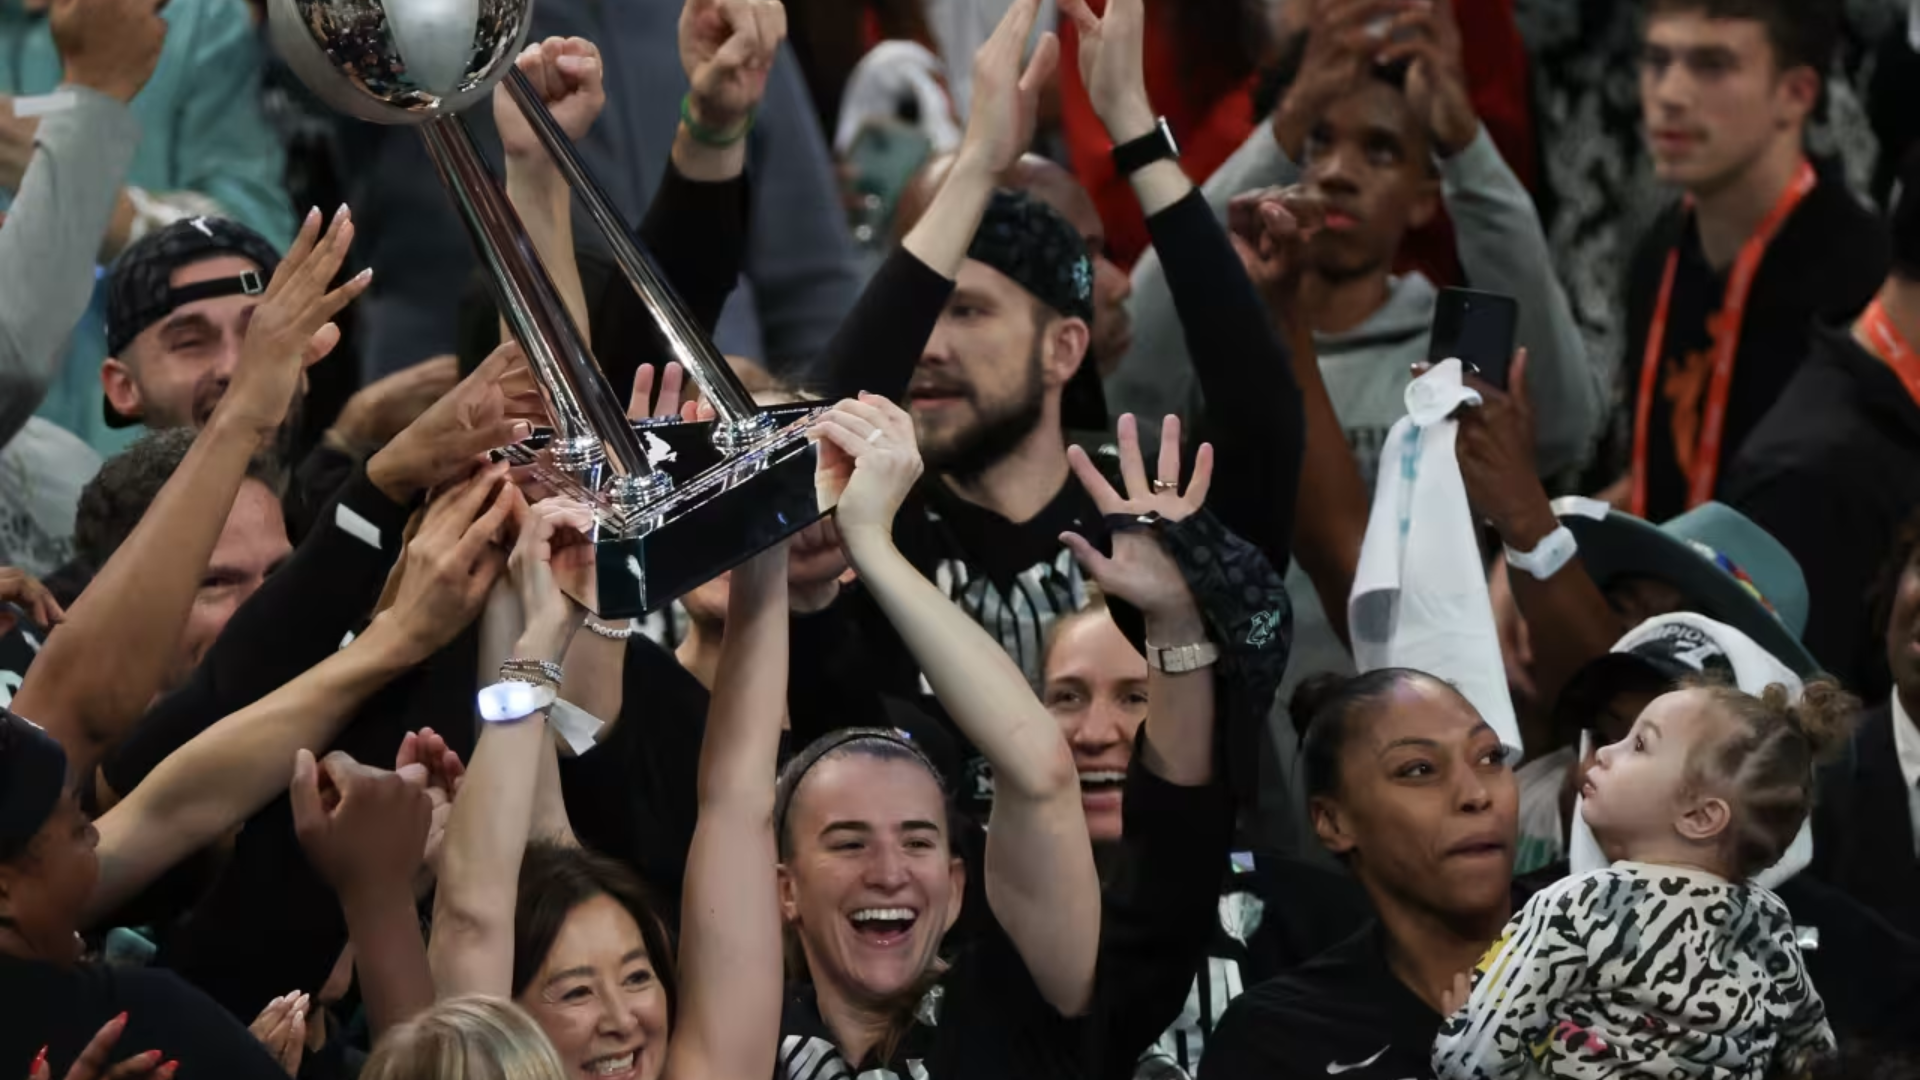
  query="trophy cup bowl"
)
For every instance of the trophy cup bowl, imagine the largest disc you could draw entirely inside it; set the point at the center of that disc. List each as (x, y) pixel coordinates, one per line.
(675, 503)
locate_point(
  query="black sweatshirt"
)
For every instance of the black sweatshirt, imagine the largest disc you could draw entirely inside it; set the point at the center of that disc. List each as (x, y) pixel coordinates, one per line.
(1015, 578)
(271, 925)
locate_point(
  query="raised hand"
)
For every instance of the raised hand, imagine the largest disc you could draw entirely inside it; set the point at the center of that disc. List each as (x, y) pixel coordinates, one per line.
(643, 404)
(566, 74)
(23, 590)
(364, 829)
(452, 561)
(1495, 449)
(281, 1027)
(1140, 571)
(1006, 98)
(92, 1062)
(1427, 34)
(551, 549)
(727, 48)
(1112, 65)
(868, 462)
(495, 405)
(1270, 229)
(108, 45)
(291, 329)
(1343, 40)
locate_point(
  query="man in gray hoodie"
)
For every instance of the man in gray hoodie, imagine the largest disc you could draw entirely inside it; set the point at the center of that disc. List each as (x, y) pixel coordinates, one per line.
(1383, 151)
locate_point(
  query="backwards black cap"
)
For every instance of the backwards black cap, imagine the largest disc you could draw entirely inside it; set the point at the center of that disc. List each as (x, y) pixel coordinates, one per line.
(1030, 242)
(33, 772)
(140, 289)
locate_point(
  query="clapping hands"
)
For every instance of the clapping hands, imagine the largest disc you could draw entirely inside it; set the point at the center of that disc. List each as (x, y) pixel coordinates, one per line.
(364, 829)
(1113, 65)
(1006, 98)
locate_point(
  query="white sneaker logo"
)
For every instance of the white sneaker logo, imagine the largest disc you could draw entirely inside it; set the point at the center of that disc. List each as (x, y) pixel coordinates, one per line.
(1334, 1068)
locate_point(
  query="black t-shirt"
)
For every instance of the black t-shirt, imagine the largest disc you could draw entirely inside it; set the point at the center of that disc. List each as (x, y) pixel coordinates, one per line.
(1824, 265)
(985, 1020)
(63, 1008)
(1341, 1014)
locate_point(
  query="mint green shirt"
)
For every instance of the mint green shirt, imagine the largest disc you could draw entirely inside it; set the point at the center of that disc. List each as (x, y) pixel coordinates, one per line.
(202, 130)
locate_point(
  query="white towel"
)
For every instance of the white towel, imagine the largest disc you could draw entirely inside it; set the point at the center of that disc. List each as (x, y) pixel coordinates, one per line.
(1420, 592)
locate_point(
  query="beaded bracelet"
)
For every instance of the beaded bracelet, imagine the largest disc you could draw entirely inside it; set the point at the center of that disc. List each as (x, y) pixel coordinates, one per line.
(611, 633)
(533, 671)
(712, 136)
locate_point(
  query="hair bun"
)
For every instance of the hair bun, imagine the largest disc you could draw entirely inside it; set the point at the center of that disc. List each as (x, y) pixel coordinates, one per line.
(1825, 714)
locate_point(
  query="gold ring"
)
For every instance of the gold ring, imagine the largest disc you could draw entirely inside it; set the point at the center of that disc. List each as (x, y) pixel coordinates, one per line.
(1165, 485)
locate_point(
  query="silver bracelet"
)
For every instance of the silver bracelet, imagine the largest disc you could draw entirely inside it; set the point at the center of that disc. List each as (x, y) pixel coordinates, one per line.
(537, 671)
(611, 633)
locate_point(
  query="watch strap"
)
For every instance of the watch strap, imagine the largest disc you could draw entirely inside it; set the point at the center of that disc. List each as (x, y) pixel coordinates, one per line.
(1156, 145)
(1181, 659)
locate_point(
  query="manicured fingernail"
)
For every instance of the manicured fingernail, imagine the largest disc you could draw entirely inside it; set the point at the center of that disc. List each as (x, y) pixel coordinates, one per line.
(152, 1056)
(166, 1071)
(364, 275)
(313, 215)
(39, 1062)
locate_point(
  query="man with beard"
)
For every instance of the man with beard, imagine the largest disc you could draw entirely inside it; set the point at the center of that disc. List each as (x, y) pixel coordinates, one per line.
(178, 304)
(1007, 313)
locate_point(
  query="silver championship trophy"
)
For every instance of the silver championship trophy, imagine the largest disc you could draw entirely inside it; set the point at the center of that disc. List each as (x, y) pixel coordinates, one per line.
(674, 503)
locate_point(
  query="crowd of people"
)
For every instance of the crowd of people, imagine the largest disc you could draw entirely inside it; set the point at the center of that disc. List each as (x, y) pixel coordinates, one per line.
(1196, 670)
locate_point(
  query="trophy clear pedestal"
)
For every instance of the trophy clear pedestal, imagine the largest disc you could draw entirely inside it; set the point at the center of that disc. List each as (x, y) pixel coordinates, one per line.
(674, 503)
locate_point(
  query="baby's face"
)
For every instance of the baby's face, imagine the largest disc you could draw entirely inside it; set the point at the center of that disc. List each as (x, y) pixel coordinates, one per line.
(1636, 793)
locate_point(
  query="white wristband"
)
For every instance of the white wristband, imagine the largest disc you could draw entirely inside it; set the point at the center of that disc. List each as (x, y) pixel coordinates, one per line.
(1554, 551)
(506, 702)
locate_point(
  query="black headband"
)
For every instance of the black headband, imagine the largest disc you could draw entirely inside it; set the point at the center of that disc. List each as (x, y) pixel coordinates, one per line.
(33, 773)
(1030, 242)
(816, 751)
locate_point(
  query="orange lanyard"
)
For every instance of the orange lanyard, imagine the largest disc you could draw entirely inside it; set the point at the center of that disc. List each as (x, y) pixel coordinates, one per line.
(1733, 313)
(1877, 332)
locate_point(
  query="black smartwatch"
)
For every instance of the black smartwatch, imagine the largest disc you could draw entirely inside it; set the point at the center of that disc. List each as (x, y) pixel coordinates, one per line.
(1155, 145)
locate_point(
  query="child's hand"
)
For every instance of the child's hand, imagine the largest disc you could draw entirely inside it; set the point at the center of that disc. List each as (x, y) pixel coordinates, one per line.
(1455, 999)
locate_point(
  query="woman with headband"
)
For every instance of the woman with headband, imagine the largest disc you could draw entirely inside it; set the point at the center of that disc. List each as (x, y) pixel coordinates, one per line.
(871, 871)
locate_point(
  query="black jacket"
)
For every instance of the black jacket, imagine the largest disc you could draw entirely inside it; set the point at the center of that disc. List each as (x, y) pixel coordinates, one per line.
(1831, 472)
(1863, 828)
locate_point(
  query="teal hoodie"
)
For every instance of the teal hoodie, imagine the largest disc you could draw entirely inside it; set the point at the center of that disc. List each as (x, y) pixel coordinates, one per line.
(202, 131)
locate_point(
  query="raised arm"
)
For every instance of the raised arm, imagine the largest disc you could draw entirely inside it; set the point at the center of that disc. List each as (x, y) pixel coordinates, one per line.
(730, 968)
(883, 336)
(1253, 405)
(1040, 878)
(65, 202)
(1497, 230)
(137, 605)
(364, 830)
(472, 947)
(235, 767)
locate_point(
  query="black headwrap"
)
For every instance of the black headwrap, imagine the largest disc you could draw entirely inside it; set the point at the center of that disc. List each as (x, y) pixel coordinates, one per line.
(33, 772)
(1030, 242)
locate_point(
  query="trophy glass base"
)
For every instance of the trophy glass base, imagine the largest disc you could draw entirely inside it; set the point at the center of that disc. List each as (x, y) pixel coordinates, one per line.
(718, 512)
